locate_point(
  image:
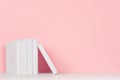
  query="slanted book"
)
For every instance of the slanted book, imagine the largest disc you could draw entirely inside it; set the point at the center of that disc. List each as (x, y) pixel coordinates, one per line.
(47, 59)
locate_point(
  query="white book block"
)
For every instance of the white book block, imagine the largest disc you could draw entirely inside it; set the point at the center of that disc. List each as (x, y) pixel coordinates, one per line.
(47, 59)
(13, 58)
(30, 56)
(35, 57)
(24, 56)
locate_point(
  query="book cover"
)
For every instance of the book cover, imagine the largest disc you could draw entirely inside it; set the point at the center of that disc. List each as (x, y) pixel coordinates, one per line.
(13, 58)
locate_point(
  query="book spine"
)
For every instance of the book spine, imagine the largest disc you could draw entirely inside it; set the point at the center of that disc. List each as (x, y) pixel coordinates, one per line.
(24, 57)
(30, 59)
(18, 57)
(35, 57)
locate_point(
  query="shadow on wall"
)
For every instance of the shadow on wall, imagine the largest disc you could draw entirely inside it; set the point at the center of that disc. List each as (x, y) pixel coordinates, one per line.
(3, 59)
(42, 65)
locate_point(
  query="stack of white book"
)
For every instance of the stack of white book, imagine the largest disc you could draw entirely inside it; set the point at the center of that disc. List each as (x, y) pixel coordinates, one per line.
(22, 57)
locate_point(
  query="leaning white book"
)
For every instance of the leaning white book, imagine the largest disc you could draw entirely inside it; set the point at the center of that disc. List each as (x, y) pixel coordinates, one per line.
(30, 56)
(13, 58)
(24, 56)
(35, 57)
(47, 59)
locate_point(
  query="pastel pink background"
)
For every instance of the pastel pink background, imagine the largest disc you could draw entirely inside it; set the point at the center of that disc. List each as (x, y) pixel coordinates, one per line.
(79, 35)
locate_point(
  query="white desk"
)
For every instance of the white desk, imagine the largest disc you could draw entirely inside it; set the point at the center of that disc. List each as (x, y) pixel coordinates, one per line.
(62, 76)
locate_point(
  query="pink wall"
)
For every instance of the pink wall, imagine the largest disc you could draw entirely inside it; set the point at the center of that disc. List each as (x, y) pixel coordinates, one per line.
(79, 35)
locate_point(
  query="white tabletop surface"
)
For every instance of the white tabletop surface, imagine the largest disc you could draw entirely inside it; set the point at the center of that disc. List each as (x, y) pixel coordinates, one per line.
(61, 76)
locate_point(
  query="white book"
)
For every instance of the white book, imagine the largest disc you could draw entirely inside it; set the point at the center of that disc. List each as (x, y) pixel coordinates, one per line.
(24, 57)
(47, 59)
(30, 56)
(13, 58)
(35, 57)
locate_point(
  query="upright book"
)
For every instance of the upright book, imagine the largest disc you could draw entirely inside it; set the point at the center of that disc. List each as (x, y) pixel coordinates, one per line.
(13, 58)
(47, 59)
(24, 56)
(30, 56)
(35, 57)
